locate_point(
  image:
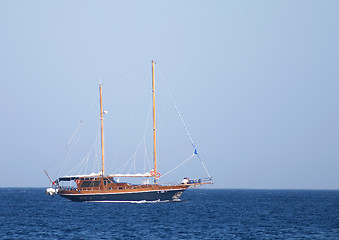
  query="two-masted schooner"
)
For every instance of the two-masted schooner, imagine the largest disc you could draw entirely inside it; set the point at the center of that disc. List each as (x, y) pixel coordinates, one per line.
(102, 187)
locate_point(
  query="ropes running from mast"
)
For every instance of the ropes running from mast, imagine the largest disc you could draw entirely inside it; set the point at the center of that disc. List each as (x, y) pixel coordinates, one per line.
(178, 165)
(184, 125)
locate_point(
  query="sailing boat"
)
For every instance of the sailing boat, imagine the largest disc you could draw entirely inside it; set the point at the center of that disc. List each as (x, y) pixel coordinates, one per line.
(102, 187)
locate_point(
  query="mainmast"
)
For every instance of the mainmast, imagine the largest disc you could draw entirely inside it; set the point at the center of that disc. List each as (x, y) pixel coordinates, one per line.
(102, 132)
(154, 127)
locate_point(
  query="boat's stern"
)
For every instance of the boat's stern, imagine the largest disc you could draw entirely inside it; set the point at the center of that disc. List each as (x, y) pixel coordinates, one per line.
(51, 191)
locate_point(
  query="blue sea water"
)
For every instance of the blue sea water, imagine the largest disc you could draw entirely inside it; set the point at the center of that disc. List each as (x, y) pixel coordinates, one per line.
(202, 214)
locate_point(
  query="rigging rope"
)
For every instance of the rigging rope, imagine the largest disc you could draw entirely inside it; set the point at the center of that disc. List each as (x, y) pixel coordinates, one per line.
(84, 161)
(183, 123)
(127, 72)
(75, 132)
(73, 141)
(142, 87)
(178, 165)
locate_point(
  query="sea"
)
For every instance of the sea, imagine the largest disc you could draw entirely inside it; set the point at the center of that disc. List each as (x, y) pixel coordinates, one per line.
(27, 213)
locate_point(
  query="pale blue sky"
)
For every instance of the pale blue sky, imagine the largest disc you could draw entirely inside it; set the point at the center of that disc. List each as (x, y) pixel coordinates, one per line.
(257, 83)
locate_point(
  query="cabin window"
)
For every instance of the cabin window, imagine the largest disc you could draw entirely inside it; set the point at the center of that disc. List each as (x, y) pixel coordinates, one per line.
(95, 183)
(90, 184)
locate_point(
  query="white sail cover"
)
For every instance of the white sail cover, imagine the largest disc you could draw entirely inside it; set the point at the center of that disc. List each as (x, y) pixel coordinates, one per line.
(147, 174)
(72, 177)
(68, 178)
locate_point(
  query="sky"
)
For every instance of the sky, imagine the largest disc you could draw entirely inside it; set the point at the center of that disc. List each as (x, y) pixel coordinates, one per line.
(256, 83)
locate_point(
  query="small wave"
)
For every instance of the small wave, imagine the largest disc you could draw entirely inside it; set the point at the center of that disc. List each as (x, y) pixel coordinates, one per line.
(142, 201)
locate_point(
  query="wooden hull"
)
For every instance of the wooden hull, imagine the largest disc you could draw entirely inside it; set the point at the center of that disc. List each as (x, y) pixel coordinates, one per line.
(128, 195)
